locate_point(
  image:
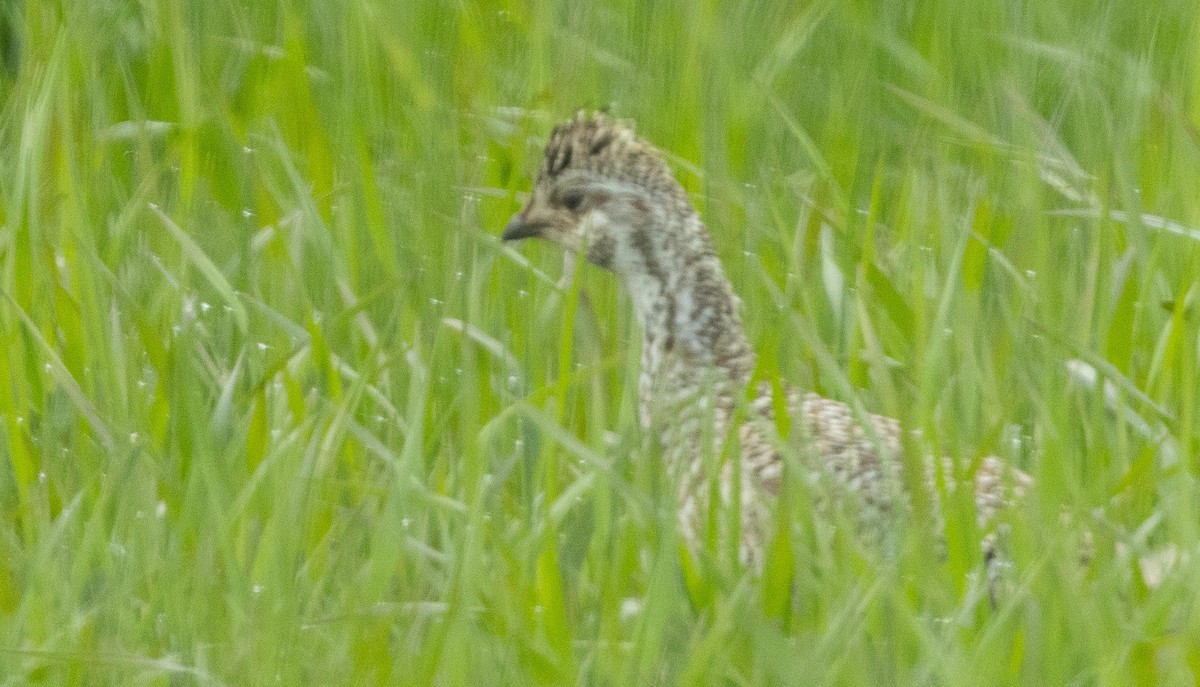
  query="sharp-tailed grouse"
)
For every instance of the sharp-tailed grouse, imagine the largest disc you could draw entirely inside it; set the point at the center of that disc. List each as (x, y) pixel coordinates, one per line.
(604, 191)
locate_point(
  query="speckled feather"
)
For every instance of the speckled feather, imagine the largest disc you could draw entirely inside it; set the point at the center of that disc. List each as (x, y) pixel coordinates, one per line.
(696, 359)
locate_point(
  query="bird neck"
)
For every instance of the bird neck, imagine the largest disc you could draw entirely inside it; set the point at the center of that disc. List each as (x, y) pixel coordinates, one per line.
(692, 334)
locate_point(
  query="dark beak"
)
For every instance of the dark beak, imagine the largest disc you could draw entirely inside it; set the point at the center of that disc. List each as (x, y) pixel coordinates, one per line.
(518, 228)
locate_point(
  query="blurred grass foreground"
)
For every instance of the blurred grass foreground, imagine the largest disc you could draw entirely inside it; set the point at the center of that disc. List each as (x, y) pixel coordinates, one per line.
(276, 407)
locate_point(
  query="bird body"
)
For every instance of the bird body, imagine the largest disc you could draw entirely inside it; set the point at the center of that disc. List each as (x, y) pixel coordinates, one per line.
(606, 192)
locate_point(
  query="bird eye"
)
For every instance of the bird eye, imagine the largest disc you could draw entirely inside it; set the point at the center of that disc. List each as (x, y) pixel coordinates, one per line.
(573, 200)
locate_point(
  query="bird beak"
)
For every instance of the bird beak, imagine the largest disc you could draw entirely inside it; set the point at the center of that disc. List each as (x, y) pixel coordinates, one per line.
(521, 228)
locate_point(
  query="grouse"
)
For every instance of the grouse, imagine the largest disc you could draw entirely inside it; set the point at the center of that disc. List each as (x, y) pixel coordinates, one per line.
(608, 193)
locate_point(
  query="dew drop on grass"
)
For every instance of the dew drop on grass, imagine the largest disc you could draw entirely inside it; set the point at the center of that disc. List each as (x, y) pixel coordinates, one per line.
(160, 510)
(631, 607)
(405, 523)
(257, 589)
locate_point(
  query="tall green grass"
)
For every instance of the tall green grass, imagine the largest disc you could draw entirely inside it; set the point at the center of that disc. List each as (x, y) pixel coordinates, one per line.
(278, 408)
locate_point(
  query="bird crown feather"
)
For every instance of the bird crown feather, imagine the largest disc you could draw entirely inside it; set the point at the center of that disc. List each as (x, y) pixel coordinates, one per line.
(605, 146)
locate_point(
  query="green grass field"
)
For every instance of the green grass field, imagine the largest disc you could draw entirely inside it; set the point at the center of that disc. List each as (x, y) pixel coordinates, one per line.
(279, 409)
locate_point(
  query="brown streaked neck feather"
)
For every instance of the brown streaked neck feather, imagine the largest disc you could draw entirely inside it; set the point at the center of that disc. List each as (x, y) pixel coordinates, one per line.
(688, 313)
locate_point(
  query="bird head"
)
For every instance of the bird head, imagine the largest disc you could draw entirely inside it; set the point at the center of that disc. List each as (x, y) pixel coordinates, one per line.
(604, 191)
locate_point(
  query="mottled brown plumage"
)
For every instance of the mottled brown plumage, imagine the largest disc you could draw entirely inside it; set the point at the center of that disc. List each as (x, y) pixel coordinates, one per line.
(604, 191)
